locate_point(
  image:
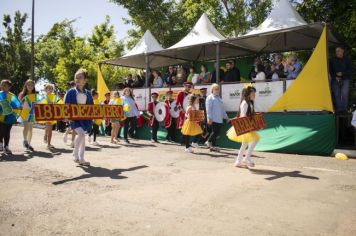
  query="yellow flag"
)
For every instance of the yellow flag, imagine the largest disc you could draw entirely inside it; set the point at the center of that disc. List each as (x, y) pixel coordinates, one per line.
(310, 90)
(102, 89)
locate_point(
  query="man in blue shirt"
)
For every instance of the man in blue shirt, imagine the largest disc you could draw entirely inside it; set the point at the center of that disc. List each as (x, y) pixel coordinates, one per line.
(216, 114)
(292, 67)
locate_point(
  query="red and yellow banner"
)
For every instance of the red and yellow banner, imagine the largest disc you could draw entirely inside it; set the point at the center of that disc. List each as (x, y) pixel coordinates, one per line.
(51, 112)
(197, 115)
(244, 125)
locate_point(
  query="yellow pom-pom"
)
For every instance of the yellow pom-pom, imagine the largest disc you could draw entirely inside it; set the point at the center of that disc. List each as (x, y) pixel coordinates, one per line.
(341, 156)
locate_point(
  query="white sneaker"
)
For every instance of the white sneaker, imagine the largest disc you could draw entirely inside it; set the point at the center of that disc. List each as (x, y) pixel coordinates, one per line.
(89, 139)
(95, 143)
(189, 150)
(65, 137)
(195, 145)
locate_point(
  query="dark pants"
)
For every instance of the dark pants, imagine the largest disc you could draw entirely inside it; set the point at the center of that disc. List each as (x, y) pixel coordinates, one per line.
(215, 129)
(340, 90)
(119, 133)
(171, 131)
(5, 133)
(108, 130)
(154, 131)
(94, 131)
(130, 125)
(186, 140)
(61, 126)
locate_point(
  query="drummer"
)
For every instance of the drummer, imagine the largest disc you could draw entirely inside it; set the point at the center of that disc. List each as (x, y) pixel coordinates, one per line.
(153, 122)
(169, 121)
(180, 100)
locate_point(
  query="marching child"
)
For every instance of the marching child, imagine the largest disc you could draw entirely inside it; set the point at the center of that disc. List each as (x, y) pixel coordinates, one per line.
(249, 139)
(9, 110)
(28, 97)
(152, 122)
(97, 122)
(169, 121)
(115, 122)
(79, 95)
(49, 98)
(191, 128)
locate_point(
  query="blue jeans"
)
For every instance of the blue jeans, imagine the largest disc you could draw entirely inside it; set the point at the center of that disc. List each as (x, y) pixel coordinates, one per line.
(340, 90)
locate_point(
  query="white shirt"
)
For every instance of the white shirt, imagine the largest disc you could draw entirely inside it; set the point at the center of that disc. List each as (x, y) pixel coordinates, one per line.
(244, 108)
(353, 121)
(260, 76)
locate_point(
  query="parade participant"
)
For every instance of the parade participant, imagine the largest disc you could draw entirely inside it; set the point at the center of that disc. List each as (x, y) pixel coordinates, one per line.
(9, 109)
(131, 112)
(61, 124)
(79, 95)
(107, 120)
(49, 98)
(28, 97)
(246, 110)
(202, 106)
(215, 115)
(191, 128)
(169, 121)
(152, 122)
(179, 101)
(96, 122)
(70, 85)
(115, 122)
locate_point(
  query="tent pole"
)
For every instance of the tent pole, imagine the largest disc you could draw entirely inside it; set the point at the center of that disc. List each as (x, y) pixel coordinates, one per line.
(217, 67)
(147, 79)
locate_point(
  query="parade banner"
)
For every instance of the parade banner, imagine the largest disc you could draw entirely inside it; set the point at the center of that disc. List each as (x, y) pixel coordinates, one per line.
(244, 125)
(52, 112)
(197, 115)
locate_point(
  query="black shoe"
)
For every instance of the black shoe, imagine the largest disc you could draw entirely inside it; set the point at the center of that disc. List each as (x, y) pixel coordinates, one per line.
(30, 148)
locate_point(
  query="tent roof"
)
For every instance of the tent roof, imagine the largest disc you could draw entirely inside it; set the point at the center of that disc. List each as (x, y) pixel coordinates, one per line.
(147, 44)
(282, 16)
(202, 32)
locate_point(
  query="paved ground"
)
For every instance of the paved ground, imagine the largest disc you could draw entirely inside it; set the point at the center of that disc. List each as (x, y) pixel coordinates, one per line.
(146, 189)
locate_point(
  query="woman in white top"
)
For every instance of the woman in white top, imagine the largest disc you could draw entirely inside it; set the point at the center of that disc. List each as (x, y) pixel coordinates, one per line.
(260, 76)
(157, 80)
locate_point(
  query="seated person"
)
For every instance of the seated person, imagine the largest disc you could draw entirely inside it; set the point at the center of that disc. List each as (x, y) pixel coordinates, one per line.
(170, 76)
(205, 75)
(292, 67)
(181, 76)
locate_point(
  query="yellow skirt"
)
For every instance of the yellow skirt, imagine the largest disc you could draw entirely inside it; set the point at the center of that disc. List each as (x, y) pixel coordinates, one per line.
(244, 138)
(191, 128)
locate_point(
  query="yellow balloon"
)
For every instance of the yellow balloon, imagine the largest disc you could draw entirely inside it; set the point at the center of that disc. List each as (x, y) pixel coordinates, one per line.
(341, 156)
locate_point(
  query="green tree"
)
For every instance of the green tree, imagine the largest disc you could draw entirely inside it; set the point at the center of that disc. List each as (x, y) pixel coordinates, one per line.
(15, 53)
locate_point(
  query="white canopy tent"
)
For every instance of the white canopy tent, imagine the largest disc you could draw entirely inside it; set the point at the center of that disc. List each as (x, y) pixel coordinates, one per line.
(138, 56)
(282, 16)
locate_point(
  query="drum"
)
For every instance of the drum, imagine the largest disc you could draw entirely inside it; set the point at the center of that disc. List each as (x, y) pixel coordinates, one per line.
(174, 111)
(160, 111)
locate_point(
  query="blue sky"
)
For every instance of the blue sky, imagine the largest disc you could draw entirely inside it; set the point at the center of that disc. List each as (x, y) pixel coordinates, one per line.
(87, 12)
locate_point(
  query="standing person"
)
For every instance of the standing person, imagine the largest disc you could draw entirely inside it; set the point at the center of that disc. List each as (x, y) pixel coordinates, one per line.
(216, 114)
(205, 75)
(170, 122)
(97, 122)
(153, 122)
(260, 73)
(9, 110)
(179, 101)
(131, 112)
(80, 95)
(232, 73)
(115, 122)
(213, 75)
(191, 128)
(253, 73)
(341, 69)
(107, 120)
(70, 85)
(28, 97)
(157, 80)
(246, 109)
(191, 74)
(49, 98)
(170, 77)
(277, 68)
(202, 106)
(292, 67)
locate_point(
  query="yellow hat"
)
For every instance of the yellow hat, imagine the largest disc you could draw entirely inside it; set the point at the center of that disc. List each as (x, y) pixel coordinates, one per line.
(341, 156)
